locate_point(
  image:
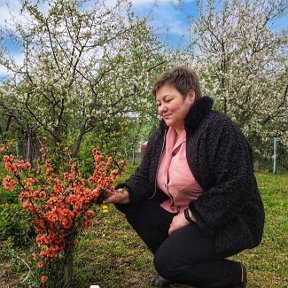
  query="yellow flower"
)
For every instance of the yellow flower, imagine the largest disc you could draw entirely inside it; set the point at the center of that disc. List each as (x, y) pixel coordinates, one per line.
(105, 209)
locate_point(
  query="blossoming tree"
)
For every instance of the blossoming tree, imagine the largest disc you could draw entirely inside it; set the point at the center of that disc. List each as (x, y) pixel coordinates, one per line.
(242, 56)
(84, 66)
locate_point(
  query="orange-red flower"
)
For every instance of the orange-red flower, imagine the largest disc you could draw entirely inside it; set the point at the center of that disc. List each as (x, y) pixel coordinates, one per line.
(44, 279)
(8, 183)
(50, 252)
(41, 239)
(40, 264)
(68, 177)
(58, 187)
(67, 219)
(89, 214)
(10, 167)
(39, 225)
(39, 194)
(53, 215)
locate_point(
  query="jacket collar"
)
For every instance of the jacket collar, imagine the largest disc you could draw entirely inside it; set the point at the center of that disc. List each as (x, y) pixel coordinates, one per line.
(196, 114)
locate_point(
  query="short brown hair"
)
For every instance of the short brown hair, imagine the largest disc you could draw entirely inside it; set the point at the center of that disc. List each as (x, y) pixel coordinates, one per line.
(181, 78)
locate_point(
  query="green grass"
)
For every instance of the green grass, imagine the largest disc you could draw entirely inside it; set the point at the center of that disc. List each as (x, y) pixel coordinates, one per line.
(268, 263)
(110, 254)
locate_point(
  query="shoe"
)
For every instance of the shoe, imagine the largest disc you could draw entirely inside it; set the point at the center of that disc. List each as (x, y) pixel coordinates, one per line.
(243, 278)
(159, 281)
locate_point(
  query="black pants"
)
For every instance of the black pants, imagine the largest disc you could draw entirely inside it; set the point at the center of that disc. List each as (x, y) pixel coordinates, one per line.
(187, 256)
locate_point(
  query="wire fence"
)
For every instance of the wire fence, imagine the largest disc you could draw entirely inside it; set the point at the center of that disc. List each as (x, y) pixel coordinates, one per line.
(279, 157)
(271, 156)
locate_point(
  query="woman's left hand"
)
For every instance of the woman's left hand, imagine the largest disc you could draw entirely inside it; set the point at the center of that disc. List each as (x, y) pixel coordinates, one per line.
(120, 196)
(178, 222)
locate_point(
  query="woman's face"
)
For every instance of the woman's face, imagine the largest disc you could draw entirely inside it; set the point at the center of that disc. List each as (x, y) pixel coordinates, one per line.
(173, 107)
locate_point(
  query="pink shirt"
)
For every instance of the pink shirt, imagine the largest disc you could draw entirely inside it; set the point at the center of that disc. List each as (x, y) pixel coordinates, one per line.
(174, 176)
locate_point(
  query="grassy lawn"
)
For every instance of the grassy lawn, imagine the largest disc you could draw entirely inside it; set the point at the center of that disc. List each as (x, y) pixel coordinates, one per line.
(268, 263)
(110, 254)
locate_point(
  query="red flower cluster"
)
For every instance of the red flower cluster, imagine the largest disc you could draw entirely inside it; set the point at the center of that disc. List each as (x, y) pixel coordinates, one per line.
(8, 183)
(60, 203)
(12, 165)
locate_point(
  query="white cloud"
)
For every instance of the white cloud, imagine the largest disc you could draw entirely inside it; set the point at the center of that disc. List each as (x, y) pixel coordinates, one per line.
(171, 20)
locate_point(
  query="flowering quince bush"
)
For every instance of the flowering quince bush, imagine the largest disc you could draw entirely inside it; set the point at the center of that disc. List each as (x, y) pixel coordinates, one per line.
(60, 205)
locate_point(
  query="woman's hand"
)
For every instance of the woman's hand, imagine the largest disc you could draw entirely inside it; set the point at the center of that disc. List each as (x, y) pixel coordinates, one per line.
(120, 196)
(178, 222)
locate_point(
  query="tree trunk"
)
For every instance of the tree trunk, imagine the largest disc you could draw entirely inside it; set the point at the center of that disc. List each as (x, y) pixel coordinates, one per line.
(68, 269)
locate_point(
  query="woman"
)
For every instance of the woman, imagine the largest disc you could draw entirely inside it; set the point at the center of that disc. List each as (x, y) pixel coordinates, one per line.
(194, 199)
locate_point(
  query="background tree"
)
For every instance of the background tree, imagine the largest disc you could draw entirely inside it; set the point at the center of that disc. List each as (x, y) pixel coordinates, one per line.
(243, 62)
(84, 69)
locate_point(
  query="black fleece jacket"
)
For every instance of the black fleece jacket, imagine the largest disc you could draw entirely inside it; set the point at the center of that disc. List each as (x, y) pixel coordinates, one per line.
(220, 158)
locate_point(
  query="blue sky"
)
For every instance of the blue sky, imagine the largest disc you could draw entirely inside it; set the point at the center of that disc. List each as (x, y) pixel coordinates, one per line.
(170, 20)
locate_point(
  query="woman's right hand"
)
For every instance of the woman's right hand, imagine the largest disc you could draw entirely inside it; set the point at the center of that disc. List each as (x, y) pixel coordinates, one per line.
(120, 196)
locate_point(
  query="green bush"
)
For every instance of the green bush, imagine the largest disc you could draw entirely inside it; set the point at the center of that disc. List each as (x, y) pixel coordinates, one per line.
(14, 223)
(8, 197)
(6, 249)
